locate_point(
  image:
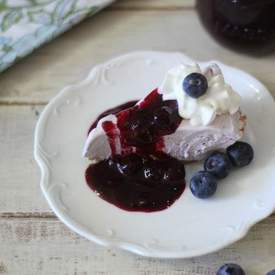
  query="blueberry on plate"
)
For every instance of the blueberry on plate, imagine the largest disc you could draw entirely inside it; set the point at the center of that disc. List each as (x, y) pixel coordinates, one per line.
(195, 85)
(218, 164)
(240, 153)
(272, 272)
(203, 185)
(230, 269)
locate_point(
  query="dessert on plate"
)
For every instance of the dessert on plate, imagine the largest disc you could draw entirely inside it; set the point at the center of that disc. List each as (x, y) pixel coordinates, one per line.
(174, 119)
(138, 150)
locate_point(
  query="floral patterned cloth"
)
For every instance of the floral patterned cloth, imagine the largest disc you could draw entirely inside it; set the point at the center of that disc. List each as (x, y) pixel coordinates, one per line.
(27, 24)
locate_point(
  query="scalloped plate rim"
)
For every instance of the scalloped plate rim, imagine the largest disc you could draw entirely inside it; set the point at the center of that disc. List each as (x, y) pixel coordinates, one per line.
(131, 247)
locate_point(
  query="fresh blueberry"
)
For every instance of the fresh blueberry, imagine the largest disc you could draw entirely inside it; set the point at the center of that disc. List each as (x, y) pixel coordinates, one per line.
(272, 272)
(240, 153)
(218, 164)
(203, 185)
(129, 165)
(230, 269)
(195, 85)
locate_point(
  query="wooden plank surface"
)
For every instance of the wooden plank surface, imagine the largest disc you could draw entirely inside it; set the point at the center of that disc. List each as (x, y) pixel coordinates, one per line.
(32, 240)
(19, 174)
(69, 58)
(35, 246)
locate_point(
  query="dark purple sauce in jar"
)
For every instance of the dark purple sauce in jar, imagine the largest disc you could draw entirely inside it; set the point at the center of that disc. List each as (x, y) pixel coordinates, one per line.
(244, 25)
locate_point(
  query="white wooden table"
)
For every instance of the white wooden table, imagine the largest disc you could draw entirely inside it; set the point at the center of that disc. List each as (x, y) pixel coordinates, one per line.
(32, 240)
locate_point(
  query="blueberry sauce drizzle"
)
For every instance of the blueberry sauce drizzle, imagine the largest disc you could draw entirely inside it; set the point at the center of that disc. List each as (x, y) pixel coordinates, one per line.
(138, 183)
(142, 178)
(113, 111)
(143, 126)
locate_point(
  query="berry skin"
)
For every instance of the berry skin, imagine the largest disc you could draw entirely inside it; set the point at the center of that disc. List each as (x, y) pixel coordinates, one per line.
(162, 118)
(145, 136)
(240, 154)
(129, 165)
(195, 85)
(151, 173)
(139, 129)
(140, 135)
(272, 272)
(203, 185)
(218, 164)
(230, 269)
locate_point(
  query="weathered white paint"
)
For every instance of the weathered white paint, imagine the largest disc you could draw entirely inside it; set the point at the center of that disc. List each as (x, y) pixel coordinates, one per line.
(69, 58)
(19, 175)
(32, 240)
(45, 246)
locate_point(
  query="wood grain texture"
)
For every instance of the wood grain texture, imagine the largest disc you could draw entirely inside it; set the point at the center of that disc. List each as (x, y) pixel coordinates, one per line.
(69, 58)
(19, 174)
(32, 240)
(36, 246)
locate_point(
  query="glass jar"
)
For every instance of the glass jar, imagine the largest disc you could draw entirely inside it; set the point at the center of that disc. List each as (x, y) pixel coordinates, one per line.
(246, 25)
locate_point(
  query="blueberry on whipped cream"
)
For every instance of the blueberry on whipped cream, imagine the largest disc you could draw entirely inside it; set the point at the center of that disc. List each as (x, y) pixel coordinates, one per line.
(200, 102)
(195, 85)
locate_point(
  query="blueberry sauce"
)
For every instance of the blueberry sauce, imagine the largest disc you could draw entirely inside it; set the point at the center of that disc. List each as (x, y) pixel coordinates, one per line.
(113, 111)
(142, 177)
(143, 126)
(138, 183)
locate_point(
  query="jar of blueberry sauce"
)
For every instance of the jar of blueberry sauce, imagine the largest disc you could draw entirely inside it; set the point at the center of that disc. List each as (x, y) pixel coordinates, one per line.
(244, 25)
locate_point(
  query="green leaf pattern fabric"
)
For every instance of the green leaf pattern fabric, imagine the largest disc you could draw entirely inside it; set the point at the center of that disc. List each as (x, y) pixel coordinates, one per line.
(27, 24)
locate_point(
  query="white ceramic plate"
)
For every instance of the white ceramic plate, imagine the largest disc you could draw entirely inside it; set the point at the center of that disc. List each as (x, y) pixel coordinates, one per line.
(190, 227)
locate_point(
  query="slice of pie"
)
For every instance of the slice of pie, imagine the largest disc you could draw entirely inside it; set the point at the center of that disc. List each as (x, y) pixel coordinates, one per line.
(192, 113)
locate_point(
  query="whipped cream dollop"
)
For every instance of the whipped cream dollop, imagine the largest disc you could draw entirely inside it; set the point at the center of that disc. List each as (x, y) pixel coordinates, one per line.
(219, 98)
